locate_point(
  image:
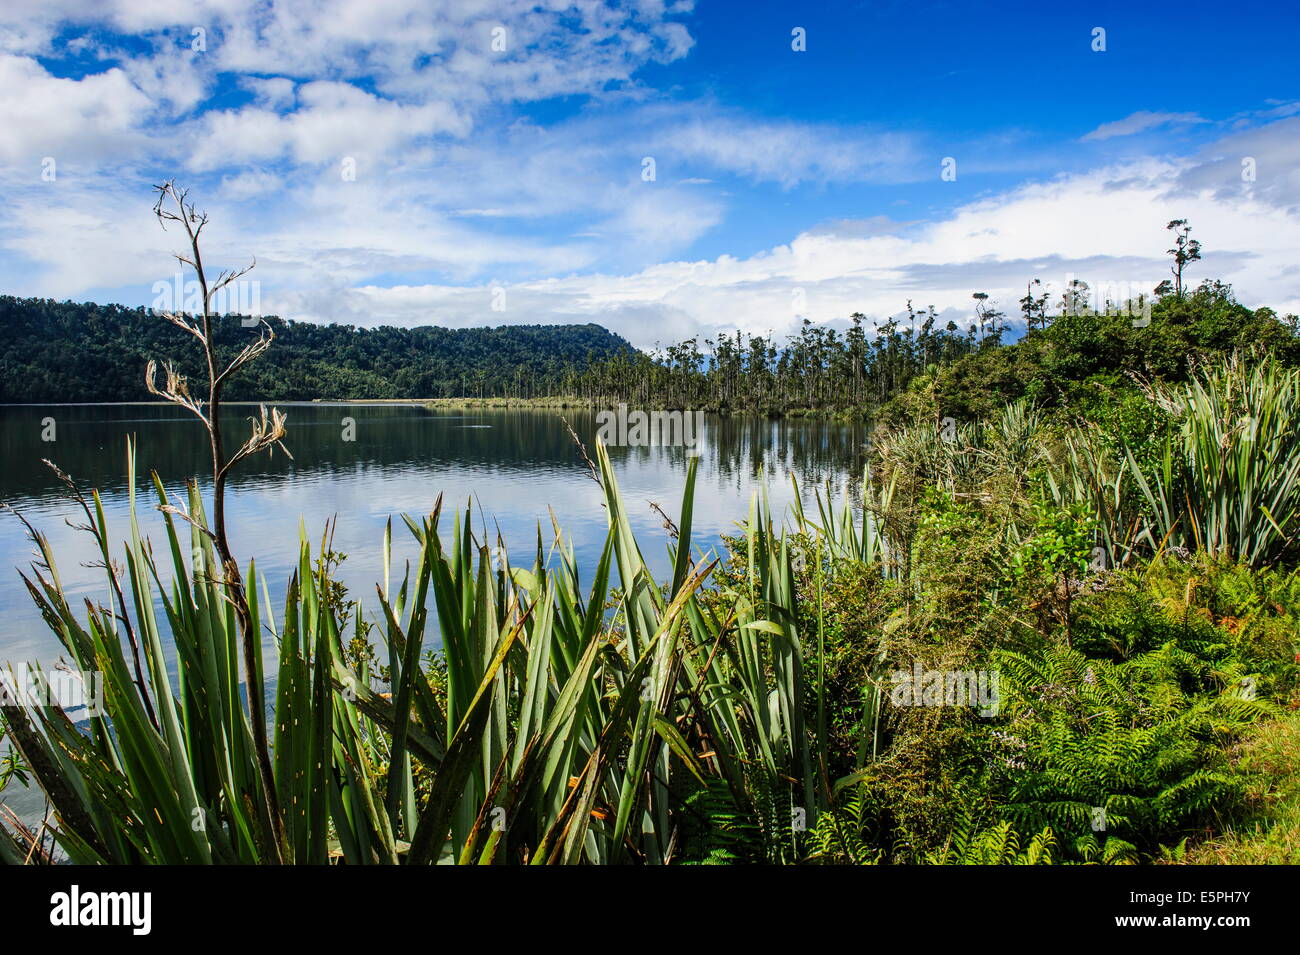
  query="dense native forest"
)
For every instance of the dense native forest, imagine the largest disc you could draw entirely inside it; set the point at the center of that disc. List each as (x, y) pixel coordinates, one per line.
(1054, 621)
(56, 352)
(65, 352)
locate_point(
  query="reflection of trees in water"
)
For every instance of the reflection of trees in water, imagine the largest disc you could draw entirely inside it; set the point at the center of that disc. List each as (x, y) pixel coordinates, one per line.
(90, 444)
(815, 451)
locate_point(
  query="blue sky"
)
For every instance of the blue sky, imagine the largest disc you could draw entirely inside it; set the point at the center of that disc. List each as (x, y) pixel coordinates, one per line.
(500, 154)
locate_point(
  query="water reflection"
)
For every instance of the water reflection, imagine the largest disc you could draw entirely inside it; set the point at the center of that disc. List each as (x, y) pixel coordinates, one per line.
(520, 466)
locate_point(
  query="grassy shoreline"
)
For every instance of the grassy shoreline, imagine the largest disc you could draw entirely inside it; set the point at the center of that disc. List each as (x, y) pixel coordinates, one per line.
(602, 404)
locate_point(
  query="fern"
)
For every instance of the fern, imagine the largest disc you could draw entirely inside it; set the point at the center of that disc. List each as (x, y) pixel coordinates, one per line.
(996, 845)
(1120, 748)
(839, 837)
(717, 832)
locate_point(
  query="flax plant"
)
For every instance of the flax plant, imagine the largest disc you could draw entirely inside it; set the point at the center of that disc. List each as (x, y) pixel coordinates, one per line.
(1228, 480)
(175, 208)
(564, 722)
(527, 717)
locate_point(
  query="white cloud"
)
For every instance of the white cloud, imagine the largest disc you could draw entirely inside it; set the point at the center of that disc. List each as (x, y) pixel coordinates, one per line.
(44, 115)
(790, 153)
(1258, 162)
(1142, 121)
(456, 190)
(401, 70)
(274, 92)
(317, 255)
(68, 237)
(1104, 227)
(333, 120)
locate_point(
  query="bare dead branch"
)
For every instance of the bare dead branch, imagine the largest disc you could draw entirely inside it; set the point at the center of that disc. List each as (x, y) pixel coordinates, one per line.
(268, 434)
(669, 526)
(176, 390)
(180, 320)
(582, 450)
(247, 354)
(227, 276)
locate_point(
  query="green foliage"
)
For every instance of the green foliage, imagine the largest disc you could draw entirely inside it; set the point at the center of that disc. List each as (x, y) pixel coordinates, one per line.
(1081, 359)
(11, 764)
(1121, 746)
(738, 710)
(1123, 691)
(997, 845)
(547, 732)
(1267, 831)
(61, 351)
(1060, 543)
(55, 351)
(1228, 480)
(842, 835)
(717, 831)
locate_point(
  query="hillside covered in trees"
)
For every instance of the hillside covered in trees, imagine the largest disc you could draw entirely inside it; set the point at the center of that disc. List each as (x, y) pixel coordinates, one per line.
(55, 352)
(61, 351)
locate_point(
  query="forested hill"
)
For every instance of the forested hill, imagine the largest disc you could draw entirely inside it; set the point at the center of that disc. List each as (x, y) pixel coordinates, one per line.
(61, 351)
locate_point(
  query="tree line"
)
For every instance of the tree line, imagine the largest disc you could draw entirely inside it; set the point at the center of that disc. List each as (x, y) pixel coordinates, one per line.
(53, 352)
(67, 352)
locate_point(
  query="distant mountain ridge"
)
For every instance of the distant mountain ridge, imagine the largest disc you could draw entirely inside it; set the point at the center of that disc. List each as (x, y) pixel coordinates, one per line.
(64, 351)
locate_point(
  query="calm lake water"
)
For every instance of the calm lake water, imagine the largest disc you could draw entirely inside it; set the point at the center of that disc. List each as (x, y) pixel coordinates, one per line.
(518, 465)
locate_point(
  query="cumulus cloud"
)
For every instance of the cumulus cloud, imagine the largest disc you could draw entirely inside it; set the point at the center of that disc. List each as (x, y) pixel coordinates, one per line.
(378, 161)
(1106, 227)
(98, 117)
(1258, 162)
(400, 69)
